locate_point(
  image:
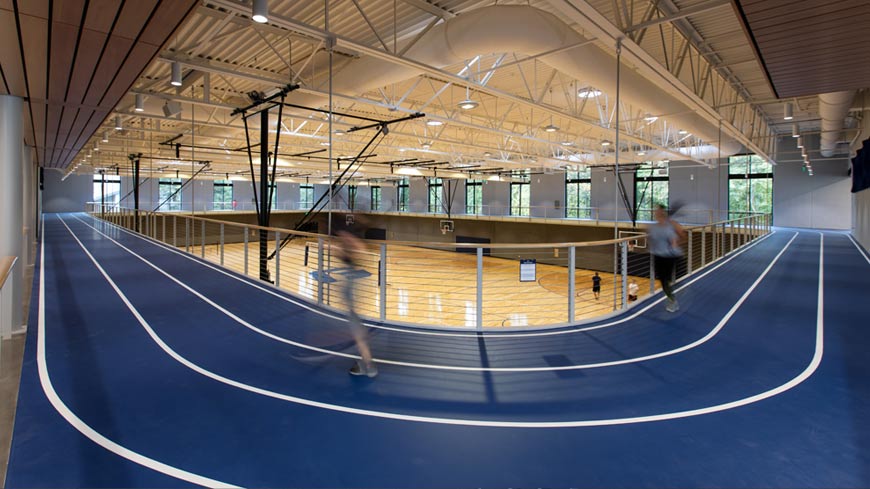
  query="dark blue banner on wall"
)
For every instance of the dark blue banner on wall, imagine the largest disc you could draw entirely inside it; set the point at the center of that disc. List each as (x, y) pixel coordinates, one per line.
(861, 168)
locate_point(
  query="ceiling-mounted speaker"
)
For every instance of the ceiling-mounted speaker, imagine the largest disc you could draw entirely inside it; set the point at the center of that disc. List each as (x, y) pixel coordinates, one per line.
(171, 108)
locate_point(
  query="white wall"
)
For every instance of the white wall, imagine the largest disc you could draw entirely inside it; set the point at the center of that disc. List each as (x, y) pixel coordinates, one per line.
(821, 201)
(69, 195)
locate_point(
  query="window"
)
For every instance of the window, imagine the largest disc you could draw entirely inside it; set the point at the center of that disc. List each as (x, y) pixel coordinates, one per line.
(112, 185)
(351, 197)
(750, 185)
(520, 192)
(435, 194)
(306, 196)
(273, 193)
(650, 189)
(578, 191)
(223, 195)
(376, 198)
(403, 195)
(169, 193)
(474, 196)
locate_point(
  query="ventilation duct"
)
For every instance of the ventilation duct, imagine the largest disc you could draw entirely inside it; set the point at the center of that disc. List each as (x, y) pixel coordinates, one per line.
(833, 108)
(495, 29)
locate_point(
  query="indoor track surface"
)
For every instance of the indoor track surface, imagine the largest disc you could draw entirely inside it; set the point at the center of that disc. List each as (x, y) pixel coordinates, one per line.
(147, 367)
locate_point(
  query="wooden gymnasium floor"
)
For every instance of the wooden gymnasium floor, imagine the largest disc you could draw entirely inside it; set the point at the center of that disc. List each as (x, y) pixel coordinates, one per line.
(438, 287)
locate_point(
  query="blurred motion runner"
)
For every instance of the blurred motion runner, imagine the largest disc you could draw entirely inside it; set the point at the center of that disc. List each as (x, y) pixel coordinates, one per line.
(349, 249)
(665, 236)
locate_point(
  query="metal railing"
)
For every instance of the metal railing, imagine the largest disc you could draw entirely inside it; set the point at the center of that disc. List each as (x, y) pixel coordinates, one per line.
(524, 213)
(441, 283)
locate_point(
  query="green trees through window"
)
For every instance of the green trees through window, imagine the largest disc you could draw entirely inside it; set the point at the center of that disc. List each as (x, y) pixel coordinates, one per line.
(169, 193)
(223, 195)
(650, 189)
(520, 192)
(750, 185)
(578, 194)
(403, 196)
(435, 194)
(474, 196)
(376, 198)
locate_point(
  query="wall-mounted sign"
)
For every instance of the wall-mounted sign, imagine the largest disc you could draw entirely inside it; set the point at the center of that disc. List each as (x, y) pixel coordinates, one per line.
(527, 270)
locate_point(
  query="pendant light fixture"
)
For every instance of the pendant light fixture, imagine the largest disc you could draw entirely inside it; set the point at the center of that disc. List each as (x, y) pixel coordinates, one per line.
(467, 104)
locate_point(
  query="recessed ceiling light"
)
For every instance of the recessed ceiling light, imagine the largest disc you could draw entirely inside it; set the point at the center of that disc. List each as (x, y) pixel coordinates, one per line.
(324, 143)
(567, 143)
(175, 81)
(588, 93)
(605, 143)
(650, 118)
(260, 11)
(433, 122)
(641, 153)
(682, 132)
(426, 145)
(487, 154)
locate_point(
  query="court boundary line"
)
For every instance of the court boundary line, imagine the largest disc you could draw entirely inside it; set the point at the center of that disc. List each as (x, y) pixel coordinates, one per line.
(77, 423)
(806, 373)
(411, 329)
(710, 334)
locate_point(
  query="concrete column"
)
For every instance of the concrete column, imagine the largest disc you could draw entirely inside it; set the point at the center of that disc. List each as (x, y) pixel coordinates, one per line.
(11, 228)
(28, 215)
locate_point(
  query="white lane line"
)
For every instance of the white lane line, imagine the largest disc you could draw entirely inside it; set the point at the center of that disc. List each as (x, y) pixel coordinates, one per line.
(486, 423)
(624, 361)
(410, 330)
(74, 420)
(858, 245)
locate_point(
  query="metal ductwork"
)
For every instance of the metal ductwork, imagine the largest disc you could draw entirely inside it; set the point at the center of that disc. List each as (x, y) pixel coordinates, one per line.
(495, 29)
(833, 108)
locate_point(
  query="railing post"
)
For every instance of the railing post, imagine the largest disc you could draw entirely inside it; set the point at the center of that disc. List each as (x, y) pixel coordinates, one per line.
(320, 270)
(689, 253)
(479, 317)
(624, 247)
(715, 241)
(572, 300)
(246, 249)
(174, 231)
(731, 236)
(187, 234)
(163, 226)
(222, 244)
(703, 246)
(652, 274)
(277, 259)
(382, 284)
(202, 241)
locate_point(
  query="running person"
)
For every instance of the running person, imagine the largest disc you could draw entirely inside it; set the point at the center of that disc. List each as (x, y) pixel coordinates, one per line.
(349, 248)
(596, 286)
(664, 237)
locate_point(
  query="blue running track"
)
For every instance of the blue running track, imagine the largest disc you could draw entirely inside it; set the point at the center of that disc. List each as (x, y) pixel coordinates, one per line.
(147, 367)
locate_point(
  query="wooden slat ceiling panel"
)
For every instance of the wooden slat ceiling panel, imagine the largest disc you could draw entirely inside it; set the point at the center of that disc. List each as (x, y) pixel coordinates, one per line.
(35, 38)
(811, 46)
(10, 55)
(80, 58)
(63, 45)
